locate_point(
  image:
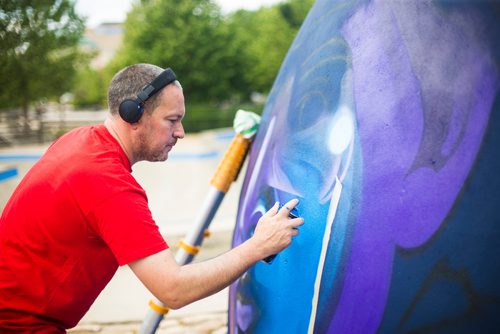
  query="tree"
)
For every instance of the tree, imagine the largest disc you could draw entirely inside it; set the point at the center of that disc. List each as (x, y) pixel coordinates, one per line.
(295, 11)
(216, 58)
(90, 88)
(38, 50)
(188, 36)
(263, 37)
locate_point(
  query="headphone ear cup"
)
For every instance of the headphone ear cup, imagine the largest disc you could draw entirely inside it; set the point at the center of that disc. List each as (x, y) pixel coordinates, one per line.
(130, 110)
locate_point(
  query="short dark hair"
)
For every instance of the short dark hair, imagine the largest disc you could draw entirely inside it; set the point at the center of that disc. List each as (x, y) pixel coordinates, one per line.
(127, 83)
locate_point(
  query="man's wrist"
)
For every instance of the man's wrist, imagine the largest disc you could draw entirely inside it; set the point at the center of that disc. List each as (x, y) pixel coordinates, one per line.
(251, 251)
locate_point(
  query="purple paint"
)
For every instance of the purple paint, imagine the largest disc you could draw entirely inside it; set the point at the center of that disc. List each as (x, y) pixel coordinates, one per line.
(397, 81)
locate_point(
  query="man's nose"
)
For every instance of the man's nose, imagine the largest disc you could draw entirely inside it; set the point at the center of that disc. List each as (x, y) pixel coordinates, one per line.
(179, 131)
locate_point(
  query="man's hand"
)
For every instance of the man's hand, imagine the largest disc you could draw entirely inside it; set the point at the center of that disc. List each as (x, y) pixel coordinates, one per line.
(176, 286)
(275, 230)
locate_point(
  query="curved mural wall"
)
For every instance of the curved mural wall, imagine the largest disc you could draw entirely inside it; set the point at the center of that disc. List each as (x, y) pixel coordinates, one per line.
(384, 121)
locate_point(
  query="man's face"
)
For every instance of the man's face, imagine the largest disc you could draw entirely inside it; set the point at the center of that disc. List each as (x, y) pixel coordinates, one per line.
(158, 132)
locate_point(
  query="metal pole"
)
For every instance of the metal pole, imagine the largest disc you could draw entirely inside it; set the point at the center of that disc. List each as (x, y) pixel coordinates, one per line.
(188, 247)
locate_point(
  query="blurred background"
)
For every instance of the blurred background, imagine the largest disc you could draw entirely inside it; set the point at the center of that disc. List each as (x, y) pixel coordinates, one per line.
(57, 57)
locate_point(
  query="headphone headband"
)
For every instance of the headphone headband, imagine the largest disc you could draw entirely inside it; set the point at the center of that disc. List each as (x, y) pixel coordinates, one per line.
(166, 77)
(131, 110)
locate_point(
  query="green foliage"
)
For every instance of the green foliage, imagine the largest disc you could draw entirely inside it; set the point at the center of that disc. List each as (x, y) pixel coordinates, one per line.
(90, 88)
(38, 50)
(220, 59)
(216, 58)
(202, 116)
(188, 36)
(295, 11)
(263, 38)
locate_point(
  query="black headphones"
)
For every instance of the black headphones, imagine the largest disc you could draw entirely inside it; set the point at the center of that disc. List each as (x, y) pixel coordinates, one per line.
(131, 110)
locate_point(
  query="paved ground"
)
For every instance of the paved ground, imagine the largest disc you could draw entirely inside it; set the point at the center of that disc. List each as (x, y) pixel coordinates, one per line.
(204, 323)
(123, 304)
(176, 189)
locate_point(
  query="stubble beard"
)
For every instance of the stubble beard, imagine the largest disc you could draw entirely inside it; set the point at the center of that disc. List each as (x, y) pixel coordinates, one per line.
(147, 153)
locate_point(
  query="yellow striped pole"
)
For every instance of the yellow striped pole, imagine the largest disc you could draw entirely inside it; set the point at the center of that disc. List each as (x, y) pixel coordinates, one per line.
(224, 176)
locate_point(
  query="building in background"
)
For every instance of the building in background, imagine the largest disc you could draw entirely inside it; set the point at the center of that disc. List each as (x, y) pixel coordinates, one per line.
(105, 40)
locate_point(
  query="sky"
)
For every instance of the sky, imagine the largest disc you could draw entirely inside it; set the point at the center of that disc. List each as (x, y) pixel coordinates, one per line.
(98, 11)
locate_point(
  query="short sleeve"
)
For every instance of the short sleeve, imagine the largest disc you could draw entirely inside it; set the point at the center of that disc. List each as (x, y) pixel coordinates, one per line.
(126, 225)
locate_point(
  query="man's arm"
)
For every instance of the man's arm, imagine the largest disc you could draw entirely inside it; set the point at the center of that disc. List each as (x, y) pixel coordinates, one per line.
(176, 286)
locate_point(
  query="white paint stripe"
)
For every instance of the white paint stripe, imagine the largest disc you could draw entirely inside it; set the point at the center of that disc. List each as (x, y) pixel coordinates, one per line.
(334, 202)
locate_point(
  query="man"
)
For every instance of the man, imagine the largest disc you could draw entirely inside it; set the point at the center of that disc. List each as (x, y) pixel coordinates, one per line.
(78, 214)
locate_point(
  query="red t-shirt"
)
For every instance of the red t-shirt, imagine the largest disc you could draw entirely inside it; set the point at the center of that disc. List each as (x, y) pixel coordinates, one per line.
(75, 217)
